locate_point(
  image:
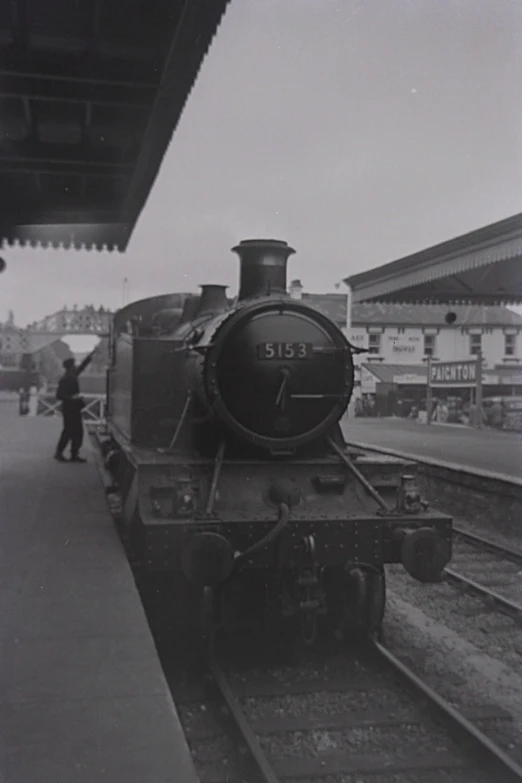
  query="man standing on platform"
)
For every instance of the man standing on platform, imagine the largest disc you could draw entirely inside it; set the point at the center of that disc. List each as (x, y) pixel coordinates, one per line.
(69, 393)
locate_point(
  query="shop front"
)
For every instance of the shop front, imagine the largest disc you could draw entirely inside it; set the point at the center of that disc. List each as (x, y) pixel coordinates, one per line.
(402, 391)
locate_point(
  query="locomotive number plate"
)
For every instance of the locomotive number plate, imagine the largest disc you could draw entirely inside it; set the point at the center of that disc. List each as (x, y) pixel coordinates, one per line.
(284, 350)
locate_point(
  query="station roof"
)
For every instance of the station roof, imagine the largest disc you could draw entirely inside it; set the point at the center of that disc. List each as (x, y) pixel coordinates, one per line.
(419, 315)
(482, 267)
(334, 306)
(390, 314)
(91, 92)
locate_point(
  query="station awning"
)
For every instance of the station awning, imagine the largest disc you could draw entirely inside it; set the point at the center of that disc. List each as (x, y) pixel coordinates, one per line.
(482, 267)
(91, 92)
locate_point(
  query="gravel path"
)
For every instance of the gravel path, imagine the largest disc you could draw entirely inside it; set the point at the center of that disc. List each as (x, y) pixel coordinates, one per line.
(468, 615)
(468, 657)
(490, 531)
(491, 570)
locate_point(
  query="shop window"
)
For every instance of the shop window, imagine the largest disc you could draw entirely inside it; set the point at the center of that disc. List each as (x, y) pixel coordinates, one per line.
(429, 344)
(374, 344)
(510, 345)
(475, 344)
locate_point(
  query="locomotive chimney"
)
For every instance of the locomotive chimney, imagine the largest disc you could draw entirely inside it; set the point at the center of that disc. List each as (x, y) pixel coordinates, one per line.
(213, 299)
(262, 267)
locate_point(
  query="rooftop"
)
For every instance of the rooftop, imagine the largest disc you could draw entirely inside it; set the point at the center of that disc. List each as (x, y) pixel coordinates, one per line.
(385, 373)
(334, 306)
(386, 314)
(480, 267)
(91, 92)
(377, 313)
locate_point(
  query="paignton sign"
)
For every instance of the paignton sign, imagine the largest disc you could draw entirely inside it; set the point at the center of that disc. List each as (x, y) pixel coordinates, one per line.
(454, 373)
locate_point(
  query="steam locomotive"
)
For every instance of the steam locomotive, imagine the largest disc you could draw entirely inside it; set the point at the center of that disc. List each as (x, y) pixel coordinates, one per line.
(225, 443)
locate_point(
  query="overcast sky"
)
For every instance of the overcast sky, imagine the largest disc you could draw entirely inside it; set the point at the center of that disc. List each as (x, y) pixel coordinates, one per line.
(358, 131)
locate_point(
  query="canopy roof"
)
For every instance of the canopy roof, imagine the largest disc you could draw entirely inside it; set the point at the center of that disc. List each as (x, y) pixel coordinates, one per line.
(482, 267)
(91, 92)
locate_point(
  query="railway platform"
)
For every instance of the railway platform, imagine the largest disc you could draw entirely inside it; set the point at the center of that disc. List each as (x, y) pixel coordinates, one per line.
(82, 693)
(494, 453)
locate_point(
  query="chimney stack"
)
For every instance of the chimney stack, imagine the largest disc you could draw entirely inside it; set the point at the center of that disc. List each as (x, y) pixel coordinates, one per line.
(296, 289)
(262, 267)
(213, 299)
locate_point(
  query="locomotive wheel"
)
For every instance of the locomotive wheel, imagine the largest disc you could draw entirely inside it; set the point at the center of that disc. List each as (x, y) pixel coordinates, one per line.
(357, 604)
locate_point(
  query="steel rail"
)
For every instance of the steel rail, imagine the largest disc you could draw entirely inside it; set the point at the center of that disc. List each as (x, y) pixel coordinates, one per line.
(498, 762)
(510, 771)
(489, 545)
(263, 765)
(504, 604)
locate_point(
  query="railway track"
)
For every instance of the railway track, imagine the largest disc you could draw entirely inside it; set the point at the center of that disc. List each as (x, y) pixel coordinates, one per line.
(369, 723)
(353, 718)
(488, 570)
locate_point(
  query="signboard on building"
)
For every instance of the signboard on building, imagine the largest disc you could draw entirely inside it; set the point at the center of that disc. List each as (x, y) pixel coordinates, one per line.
(400, 348)
(357, 337)
(454, 373)
(512, 380)
(402, 344)
(368, 381)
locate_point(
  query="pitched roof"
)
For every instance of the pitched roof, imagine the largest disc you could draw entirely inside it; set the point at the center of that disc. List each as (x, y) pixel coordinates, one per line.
(386, 372)
(377, 313)
(92, 93)
(480, 267)
(335, 306)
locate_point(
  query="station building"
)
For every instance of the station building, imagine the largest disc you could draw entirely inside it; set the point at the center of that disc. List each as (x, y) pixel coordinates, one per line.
(447, 302)
(410, 333)
(407, 334)
(399, 339)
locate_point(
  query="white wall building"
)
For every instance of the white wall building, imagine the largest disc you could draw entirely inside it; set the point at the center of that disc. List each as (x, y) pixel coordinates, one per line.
(408, 334)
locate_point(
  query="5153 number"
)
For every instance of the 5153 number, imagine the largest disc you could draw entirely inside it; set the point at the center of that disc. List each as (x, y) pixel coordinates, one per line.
(284, 351)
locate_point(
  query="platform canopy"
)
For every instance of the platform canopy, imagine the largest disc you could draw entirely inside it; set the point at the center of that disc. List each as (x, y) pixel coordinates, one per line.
(91, 92)
(483, 267)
